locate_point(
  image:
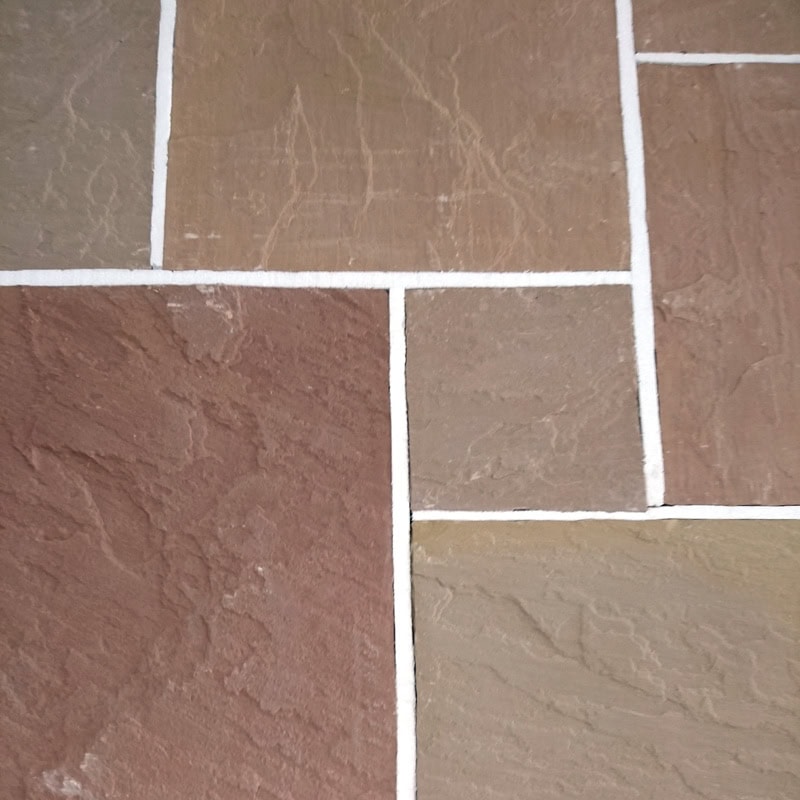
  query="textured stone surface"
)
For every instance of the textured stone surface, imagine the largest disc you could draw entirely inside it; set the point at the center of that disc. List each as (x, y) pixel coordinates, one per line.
(76, 132)
(523, 398)
(415, 135)
(723, 187)
(608, 661)
(727, 26)
(195, 577)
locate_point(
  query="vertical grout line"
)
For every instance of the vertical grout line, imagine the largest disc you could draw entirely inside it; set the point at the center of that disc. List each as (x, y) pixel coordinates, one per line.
(166, 42)
(641, 277)
(401, 552)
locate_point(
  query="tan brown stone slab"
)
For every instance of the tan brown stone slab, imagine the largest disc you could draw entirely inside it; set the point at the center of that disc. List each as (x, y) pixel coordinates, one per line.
(714, 26)
(416, 135)
(195, 571)
(608, 660)
(76, 132)
(723, 187)
(523, 398)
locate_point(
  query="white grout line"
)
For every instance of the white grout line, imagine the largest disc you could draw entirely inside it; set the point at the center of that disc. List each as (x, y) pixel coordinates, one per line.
(664, 512)
(322, 280)
(707, 59)
(166, 41)
(641, 279)
(401, 552)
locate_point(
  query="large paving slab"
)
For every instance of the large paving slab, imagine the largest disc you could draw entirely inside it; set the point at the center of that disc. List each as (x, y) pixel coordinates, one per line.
(415, 135)
(195, 575)
(723, 189)
(717, 26)
(523, 398)
(608, 660)
(77, 108)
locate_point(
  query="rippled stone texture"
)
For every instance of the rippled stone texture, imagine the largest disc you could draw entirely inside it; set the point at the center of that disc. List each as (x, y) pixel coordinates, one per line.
(723, 187)
(195, 577)
(523, 398)
(608, 660)
(414, 135)
(76, 132)
(712, 26)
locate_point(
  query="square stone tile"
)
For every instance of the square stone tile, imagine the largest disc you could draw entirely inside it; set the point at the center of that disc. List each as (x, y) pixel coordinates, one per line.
(523, 398)
(717, 26)
(414, 135)
(608, 660)
(723, 190)
(77, 109)
(195, 577)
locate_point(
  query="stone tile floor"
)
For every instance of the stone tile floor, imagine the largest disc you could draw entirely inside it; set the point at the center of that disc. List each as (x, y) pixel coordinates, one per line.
(277, 278)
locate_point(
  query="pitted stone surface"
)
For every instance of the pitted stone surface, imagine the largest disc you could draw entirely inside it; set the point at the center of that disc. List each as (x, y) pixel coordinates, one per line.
(523, 398)
(723, 190)
(77, 83)
(608, 660)
(195, 576)
(417, 135)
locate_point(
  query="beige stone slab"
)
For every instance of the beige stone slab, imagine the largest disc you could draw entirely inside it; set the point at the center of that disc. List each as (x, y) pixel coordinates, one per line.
(608, 660)
(77, 85)
(523, 398)
(416, 135)
(713, 26)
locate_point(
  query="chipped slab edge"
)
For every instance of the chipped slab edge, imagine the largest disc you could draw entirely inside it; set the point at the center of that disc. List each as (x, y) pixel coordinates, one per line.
(163, 125)
(405, 678)
(641, 278)
(311, 280)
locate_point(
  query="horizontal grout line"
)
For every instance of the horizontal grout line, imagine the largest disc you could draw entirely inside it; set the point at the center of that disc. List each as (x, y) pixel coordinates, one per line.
(662, 512)
(310, 280)
(708, 59)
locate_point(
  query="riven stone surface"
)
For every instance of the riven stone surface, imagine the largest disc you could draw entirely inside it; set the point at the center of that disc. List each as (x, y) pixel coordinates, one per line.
(77, 111)
(608, 660)
(523, 398)
(713, 26)
(723, 188)
(195, 576)
(414, 135)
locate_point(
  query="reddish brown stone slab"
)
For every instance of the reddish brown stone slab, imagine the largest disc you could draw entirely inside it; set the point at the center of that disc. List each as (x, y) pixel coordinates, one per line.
(76, 132)
(606, 660)
(523, 398)
(195, 576)
(723, 186)
(713, 26)
(415, 135)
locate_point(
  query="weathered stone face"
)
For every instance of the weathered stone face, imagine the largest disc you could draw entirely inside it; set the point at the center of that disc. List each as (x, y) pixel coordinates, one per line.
(196, 578)
(604, 660)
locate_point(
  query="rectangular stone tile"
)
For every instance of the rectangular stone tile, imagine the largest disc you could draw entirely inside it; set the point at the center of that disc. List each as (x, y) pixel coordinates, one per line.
(415, 135)
(608, 660)
(523, 398)
(723, 187)
(77, 111)
(195, 577)
(714, 26)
